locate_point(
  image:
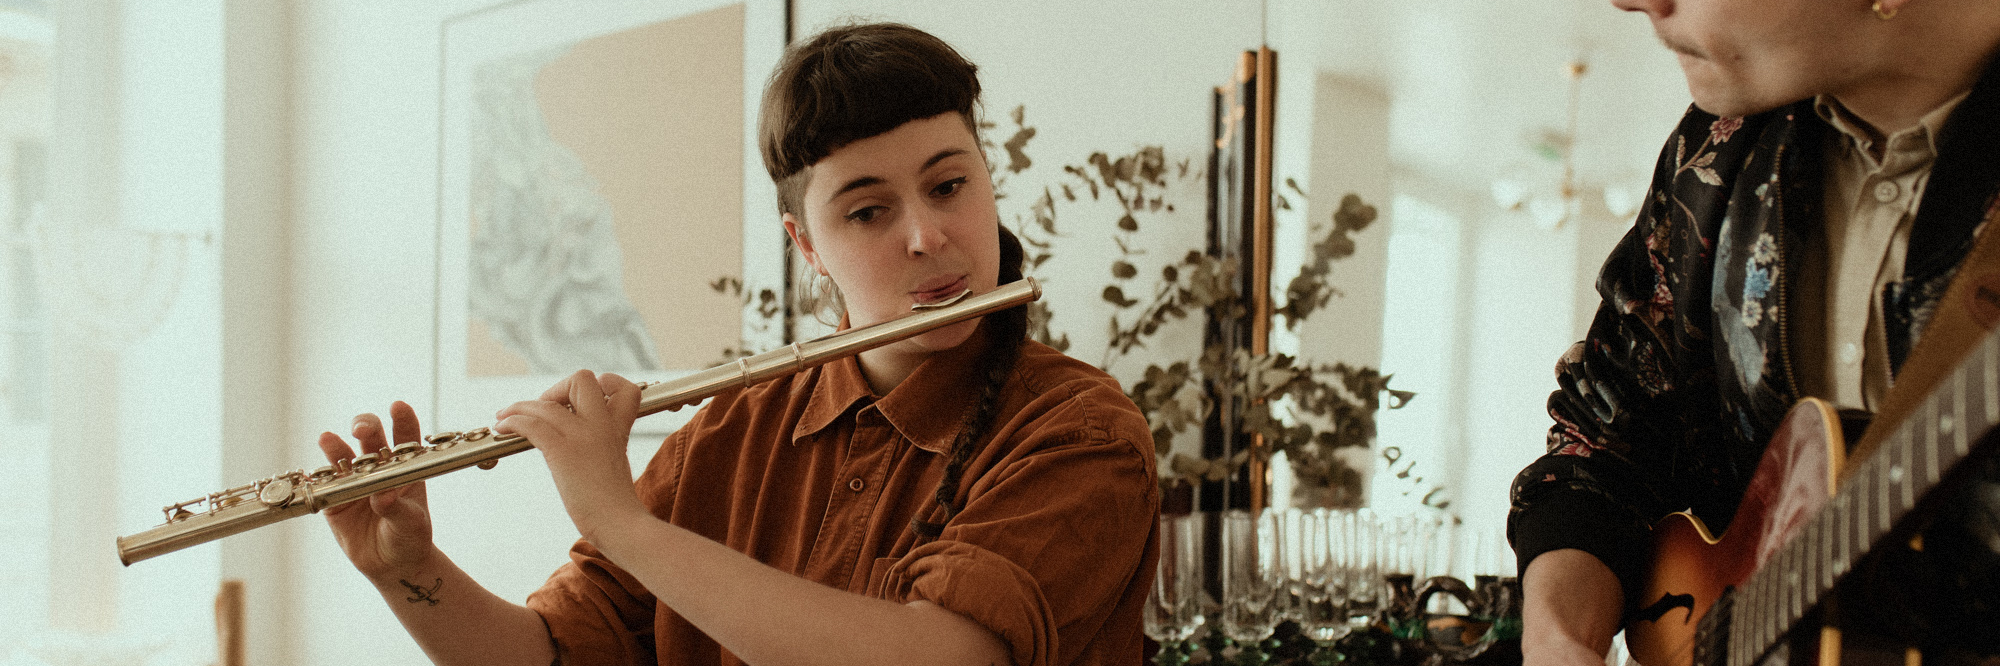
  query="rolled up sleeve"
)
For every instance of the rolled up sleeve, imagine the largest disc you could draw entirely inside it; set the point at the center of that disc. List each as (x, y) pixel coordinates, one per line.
(596, 613)
(1052, 553)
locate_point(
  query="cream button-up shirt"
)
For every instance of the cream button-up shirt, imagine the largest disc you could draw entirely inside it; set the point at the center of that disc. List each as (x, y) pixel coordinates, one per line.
(1873, 187)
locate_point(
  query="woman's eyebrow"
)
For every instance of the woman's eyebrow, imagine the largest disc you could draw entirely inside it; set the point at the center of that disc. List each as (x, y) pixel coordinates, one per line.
(865, 181)
(940, 157)
(852, 185)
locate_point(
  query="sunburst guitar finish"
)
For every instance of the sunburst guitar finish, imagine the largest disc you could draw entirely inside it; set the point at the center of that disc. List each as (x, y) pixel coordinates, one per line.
(1693, 567)
(1808, 516)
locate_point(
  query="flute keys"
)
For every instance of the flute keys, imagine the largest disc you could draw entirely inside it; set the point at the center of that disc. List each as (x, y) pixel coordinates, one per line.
(277, 492)
(179, 512)
(404, 451)
(230, 497)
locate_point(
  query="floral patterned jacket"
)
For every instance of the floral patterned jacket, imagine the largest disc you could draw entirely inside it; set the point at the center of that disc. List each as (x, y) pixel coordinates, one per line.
(1685, 372)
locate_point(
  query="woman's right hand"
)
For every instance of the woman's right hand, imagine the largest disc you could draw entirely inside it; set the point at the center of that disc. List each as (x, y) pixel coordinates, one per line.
(389, 532)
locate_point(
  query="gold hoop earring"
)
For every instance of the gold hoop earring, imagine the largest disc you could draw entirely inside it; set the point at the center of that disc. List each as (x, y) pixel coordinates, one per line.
(1884, 15)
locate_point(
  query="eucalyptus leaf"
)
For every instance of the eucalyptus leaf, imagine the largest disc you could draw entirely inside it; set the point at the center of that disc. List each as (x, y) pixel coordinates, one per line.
(1017, 159)
(1116, 296)
(1105, 169)
(1152, 164)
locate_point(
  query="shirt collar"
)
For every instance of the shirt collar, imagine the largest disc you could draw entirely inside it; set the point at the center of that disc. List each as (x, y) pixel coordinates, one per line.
(1861, 138)
(925, 409)
(838, 385)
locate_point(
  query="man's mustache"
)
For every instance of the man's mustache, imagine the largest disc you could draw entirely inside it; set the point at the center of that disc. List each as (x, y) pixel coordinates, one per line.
(1677, 46)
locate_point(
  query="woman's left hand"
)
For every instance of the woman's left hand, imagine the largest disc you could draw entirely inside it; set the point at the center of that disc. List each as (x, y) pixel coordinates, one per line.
(582, 426)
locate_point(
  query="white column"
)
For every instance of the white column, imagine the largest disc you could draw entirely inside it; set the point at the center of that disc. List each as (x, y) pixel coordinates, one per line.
(83, 410)
(256, 335)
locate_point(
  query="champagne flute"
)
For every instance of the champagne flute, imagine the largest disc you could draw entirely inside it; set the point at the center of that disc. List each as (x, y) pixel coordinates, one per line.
(1361, 558)
(1252, 580)
(1173, 608)
(1296, 533)
(1324, 616)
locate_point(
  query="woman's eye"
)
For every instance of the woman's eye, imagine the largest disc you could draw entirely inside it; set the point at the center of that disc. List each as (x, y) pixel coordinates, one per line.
(948, 188)
(865, 215)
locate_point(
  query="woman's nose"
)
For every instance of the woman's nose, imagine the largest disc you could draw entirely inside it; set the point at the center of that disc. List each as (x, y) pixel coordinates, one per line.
(926, 232)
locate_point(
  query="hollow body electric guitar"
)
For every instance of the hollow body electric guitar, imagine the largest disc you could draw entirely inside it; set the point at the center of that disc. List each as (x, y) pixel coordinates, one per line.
(1804, 522)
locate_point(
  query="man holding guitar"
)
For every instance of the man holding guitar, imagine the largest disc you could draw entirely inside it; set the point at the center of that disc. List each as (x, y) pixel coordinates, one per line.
(1830, 196)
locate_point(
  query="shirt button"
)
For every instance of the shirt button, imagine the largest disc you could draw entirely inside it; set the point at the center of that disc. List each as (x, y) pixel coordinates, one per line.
(1850, 353)
(856, 485)
(1886, 191)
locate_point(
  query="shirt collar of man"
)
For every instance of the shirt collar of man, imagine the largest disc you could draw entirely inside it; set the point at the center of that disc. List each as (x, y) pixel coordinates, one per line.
(1862, 140)
(927, 408)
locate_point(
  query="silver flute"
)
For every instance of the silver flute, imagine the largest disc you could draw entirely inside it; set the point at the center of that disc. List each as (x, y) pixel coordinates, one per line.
(299, 492)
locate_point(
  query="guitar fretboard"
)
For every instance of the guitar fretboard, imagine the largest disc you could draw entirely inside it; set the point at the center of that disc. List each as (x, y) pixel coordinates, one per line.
(1866, 509)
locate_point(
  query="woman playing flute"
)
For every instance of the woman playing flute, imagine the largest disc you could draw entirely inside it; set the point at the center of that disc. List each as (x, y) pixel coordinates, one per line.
(966, 496)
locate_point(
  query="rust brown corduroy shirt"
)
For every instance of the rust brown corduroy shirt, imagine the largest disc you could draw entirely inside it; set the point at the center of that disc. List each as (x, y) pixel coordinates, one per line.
(813, 474)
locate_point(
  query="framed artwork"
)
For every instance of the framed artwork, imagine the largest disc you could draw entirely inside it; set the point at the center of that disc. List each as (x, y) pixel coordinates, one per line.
(602, 203)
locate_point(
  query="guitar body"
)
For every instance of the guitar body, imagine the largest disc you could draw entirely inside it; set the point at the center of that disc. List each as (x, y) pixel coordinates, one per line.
(1811, 514)
(1693, 567)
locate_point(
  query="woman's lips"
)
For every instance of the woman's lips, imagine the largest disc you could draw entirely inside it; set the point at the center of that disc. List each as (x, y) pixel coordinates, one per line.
(939, 290)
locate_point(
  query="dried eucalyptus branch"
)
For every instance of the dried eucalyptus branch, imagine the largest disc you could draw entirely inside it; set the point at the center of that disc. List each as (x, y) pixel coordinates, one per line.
(1324, 408)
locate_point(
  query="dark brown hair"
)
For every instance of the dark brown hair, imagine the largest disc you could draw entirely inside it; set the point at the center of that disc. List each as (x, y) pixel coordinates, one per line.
(850, 83)
(857, 81)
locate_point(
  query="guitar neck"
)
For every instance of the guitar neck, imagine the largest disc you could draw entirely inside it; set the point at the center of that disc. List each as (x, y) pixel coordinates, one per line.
(1954, 422)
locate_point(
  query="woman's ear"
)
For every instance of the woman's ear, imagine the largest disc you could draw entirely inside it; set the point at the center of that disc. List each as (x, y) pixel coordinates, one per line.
(803, 242)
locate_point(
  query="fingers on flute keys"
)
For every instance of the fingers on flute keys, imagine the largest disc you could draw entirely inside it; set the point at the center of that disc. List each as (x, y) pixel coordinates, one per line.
(621, 395)
(582, 392)
(369, 433)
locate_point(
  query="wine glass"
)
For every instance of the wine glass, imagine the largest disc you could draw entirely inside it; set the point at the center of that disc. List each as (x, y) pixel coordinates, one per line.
(1173, 607)
(1252, 579)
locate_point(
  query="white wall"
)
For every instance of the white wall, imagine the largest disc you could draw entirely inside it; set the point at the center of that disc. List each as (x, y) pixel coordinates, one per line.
(362, 274)
(170, 147)
(129, 262)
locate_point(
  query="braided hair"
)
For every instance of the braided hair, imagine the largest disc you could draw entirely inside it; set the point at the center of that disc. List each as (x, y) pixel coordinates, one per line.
(1007, 330)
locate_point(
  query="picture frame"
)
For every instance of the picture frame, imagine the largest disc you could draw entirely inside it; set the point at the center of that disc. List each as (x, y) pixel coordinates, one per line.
(598, 181)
